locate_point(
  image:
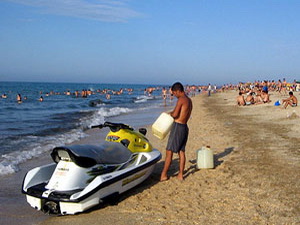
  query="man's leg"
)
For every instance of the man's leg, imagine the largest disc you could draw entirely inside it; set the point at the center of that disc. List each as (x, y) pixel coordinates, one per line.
(168, 161)
(181, 165)
(286, 104)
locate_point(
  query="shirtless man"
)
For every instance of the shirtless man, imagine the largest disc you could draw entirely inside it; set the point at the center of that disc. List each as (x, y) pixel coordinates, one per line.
(240, 99)
(265, 97)
(292, 100)
(262, 97)
(179, 131)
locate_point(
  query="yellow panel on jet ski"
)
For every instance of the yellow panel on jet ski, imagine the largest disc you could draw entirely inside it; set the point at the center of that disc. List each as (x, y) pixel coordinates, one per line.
(134, 141)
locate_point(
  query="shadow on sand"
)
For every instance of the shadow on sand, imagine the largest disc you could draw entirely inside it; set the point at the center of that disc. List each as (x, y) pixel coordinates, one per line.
(155, 178)
(217, 157)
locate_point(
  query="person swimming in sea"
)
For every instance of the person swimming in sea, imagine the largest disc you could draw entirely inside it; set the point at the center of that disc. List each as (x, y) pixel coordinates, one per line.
(19, 98)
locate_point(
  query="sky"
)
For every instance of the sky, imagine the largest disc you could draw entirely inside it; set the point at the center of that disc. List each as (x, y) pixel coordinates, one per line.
(149, 41)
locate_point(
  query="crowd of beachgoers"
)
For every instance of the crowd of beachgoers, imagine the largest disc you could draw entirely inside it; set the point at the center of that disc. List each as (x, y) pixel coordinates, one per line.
(250, 93)
(258, 92)
(84, 93)
(191, 90)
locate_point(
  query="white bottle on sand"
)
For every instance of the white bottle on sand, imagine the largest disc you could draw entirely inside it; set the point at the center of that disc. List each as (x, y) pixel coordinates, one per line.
(205, 158)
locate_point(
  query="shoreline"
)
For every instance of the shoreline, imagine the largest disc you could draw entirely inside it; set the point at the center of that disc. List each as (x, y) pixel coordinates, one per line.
(255, 179)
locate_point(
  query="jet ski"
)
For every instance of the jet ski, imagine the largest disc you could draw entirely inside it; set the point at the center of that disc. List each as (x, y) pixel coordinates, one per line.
(82, 176)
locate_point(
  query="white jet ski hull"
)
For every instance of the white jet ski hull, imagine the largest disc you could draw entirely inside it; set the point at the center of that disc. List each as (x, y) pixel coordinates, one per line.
(51, 187)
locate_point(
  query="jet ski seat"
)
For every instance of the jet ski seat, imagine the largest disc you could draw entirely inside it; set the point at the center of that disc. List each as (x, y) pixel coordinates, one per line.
(90, 155)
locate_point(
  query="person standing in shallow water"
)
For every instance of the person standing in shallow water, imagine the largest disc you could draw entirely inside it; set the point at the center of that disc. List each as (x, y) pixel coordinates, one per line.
(179, 131)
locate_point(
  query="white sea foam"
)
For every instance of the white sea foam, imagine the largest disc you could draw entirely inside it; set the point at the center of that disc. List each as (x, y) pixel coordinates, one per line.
(144, 98)
(34, 118)
(100, 116)
(108, 112)
(141, 100)
(9, 163)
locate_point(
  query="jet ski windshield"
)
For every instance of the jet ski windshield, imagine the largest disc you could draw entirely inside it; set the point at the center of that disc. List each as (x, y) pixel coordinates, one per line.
(90, 155)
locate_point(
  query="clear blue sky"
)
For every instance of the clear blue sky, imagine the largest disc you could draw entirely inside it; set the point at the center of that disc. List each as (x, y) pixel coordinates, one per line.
(149, 41)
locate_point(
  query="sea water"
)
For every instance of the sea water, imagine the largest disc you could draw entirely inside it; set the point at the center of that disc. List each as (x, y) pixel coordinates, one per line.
(32, 127)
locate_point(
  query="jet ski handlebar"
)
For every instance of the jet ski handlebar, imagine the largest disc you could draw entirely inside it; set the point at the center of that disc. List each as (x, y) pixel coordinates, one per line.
(114, 127)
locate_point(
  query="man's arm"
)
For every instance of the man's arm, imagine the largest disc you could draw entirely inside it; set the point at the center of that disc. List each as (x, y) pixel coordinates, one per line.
(287, 99)
(176, 112)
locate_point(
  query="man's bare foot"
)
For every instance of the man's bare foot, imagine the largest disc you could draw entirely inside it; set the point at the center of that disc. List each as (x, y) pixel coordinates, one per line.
(180, 177)
(164, 178)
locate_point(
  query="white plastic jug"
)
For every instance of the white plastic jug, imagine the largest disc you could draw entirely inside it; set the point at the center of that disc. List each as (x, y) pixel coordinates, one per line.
(162, 125)
(205, 158)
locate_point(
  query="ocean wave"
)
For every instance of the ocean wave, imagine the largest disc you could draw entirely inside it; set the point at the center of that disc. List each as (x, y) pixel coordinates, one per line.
(140, 100)
(145, 97)
(33, 128)
(9, 163)
(102, 114)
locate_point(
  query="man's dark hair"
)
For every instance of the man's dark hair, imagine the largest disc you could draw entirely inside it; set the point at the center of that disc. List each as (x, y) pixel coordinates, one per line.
(177, 87)
(290, 93)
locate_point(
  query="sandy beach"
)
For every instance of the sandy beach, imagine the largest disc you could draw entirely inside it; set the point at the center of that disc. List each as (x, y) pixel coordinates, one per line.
(256, 178)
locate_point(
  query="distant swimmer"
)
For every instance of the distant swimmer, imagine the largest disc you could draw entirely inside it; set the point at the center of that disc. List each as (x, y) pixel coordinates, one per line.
(41, 99)
(171, 93)
(164, 93)
(84, 93)
(19, 98)
(4, 96)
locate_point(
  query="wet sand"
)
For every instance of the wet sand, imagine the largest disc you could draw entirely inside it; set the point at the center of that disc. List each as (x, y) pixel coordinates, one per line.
(256, 178)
